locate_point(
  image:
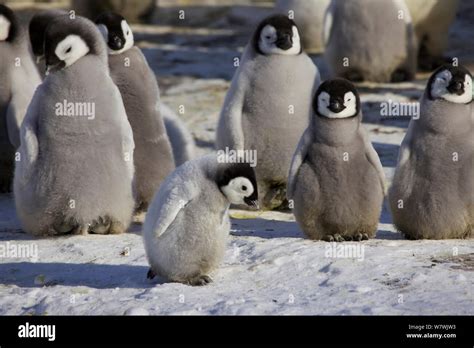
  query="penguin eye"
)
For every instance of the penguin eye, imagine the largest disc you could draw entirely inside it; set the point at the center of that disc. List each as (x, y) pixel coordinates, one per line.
(128, 32)
(69, 49)
(244, 188)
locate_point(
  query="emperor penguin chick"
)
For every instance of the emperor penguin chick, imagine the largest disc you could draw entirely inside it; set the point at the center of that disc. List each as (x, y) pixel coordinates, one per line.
(370, 40)
(136, 81)
(432, 195)
(268, 106)
(309, 16)
(187, 225)
(18, 81)
(76, 168)
(336, 180)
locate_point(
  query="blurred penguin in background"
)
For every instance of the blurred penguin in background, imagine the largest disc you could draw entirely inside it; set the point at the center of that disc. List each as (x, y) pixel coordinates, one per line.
(18, 81)
(370, 40)
(431, 20)
(309, 17)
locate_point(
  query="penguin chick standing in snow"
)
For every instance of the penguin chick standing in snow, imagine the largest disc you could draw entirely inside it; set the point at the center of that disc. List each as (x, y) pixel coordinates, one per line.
(76, 168)
(432, 195)
(18, 81)
(336, 180)
(187, 225)
(370, 40)
(129, 69)
(268, 106)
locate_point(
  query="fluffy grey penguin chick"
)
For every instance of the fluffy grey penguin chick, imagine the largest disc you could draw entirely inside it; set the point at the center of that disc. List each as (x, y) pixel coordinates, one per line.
(268, 106)
(76, 168)
(336, 180)
(187, 225)
(432, 195)
(18, 81)
(136, 81)
(370, 40)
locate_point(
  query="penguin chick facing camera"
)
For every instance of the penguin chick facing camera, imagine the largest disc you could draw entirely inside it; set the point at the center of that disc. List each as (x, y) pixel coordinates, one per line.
(187, 226)
(153, 156)
(432, 195)
(76, 169)
(18, 80)
(268, 106)
(336, 181)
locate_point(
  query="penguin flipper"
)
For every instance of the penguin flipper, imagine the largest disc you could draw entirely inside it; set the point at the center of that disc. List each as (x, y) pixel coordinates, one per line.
(297, 161)
(29, 141)
(374, 160)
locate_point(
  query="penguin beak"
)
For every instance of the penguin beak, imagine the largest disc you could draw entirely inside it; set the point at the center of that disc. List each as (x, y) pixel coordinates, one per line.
(456, 87)
(284, 41)
(336, 106)
(116, 43)
(252, 202)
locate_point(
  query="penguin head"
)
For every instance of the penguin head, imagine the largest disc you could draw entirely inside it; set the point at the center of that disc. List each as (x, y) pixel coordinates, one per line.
(8, 24)
(69, 39)
(37, 29)
(277, 34)
(238, 183)
(336, 99)
(451, 83)
(116, 31)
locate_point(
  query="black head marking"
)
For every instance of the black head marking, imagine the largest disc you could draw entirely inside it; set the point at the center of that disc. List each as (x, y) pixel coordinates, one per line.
(14, 24)
(37, 29)
(113, 22)
(284, 27)
(336, 88)
(63, 26)
(456, 85)
(228, 172)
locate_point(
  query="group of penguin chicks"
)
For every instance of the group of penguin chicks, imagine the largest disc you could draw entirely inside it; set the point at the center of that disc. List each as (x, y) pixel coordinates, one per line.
(82, 175)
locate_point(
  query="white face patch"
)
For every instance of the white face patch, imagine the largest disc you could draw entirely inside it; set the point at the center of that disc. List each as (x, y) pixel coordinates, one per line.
(439, 88)
(237, 189)
(5, 25)
(268, 38)
(71, 49)
(350, 103)
(129, 40)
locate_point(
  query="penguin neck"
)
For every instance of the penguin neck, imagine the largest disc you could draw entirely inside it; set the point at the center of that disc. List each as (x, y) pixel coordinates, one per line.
(443, 117)
(335, 132)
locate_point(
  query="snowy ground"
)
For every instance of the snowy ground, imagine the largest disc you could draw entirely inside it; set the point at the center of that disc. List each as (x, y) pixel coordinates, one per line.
(269, 267)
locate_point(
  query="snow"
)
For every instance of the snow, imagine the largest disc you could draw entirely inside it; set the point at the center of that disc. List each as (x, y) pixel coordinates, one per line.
(269, 267)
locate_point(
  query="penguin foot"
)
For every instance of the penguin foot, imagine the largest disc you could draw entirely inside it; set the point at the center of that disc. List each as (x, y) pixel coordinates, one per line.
(150, 274)
(334, 238)
(360, 237)
(100, 226)
(200, 280)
